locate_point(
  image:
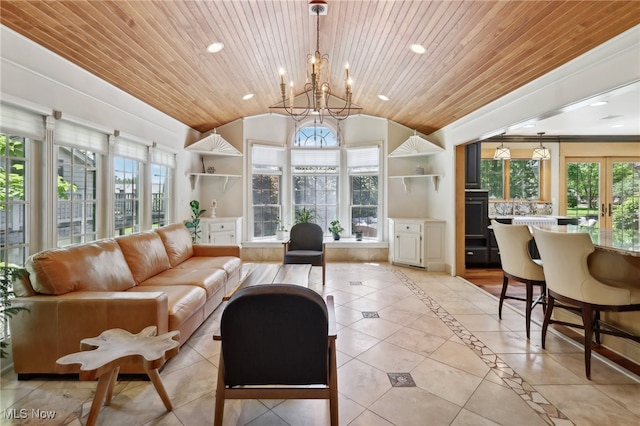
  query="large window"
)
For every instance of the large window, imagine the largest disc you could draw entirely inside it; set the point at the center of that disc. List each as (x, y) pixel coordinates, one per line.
(14, 200)
(363, 167)
(127, 195)
(76, 196)
(509, 179)
(315, 182)
(266, 190)
(315, 176)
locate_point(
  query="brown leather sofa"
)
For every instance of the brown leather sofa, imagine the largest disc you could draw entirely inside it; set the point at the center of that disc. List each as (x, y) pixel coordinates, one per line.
(148, 278)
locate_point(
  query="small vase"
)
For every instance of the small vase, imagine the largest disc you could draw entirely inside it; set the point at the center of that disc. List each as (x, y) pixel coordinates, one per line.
(358, 235)
(336, 236)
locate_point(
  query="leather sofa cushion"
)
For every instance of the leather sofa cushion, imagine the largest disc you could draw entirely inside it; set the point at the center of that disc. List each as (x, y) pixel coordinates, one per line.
(145, 254)
(184, 301)
(95, 266)
(177, 242)
(211, 280)
(229, 264)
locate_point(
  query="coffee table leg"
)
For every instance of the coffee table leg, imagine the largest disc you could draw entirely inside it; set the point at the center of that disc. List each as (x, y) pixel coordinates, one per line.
(157, 383)
(101, 390)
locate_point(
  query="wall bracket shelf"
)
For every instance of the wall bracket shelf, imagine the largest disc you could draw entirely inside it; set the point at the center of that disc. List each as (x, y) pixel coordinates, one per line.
(194, 177)
(405, 179)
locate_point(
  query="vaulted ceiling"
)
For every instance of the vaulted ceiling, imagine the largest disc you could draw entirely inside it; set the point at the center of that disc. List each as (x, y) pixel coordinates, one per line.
(476, 51)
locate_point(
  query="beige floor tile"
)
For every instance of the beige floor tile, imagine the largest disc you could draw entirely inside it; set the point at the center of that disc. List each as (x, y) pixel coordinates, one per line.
(461, 357)
(501, 342)
(502, 405)
(376, 327)
(541, 369)
(398, 315)
(391, 358)
(353, 342)
(602, 373)
(414, 406)
(626, 395)
(467, 418)
(416, 341)
(585, 405)
(429, 323)
(447, 382)
(480, 322)
(369, 418)
(362, 383)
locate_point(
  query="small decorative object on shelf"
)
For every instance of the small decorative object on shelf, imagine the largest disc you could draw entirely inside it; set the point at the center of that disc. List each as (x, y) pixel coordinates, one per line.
(358, 235)
(214, 204)
(419, 170)
(336, 229)
(211, 170)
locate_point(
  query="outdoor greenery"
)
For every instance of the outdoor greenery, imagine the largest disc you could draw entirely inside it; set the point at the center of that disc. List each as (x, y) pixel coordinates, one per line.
(305, 215)
(8, 273)
(13, 147)
(524, 179)
(194, 225)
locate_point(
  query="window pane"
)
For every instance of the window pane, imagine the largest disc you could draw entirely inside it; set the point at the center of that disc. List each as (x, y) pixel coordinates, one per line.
(266, 205)
(364, 205)
(492, 178)
(13, 199)
(583, 192)
(76, 196)
(524, 179)
(127, 203)
(161, 177)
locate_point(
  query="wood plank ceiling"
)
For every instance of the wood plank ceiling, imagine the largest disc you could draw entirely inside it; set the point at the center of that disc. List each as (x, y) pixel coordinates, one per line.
(476, 52)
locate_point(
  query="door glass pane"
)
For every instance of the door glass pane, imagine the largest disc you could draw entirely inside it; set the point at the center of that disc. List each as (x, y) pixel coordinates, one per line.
(583, 192)
(625, 195)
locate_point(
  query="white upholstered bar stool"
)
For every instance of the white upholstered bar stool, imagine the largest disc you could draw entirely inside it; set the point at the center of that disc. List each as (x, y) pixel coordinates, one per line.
(564, 256)
(517, 264)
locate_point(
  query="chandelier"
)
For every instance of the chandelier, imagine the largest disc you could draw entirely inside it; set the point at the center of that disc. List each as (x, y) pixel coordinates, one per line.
(320, 100)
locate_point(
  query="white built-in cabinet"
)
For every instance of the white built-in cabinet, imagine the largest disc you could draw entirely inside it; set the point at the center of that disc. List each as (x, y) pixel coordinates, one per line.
(417, 242)
(221, 231)
(214, 147)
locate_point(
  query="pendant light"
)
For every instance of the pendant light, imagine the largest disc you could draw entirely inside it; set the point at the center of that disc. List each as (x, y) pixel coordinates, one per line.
(541, 153)
(502, 152)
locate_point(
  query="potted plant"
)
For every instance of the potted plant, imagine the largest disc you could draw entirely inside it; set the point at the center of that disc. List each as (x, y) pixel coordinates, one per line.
(8, 273)
(194, 224)
(336, 229)
(305, 216)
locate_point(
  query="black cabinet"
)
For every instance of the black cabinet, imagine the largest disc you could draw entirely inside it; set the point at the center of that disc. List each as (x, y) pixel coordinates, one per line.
(476, 227)
(472, 166)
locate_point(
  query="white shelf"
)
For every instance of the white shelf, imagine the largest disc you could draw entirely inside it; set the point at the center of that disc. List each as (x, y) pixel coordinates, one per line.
(196, 176)
(434, 177)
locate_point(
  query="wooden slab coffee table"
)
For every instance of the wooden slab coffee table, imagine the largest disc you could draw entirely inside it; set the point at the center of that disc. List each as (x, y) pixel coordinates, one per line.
(273, 273)
(102, 356)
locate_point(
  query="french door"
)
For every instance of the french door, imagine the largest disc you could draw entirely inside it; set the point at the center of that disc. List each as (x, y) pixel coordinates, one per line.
(604, 192)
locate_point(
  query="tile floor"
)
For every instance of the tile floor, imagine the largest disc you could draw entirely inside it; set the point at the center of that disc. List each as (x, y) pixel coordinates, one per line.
(435, 337)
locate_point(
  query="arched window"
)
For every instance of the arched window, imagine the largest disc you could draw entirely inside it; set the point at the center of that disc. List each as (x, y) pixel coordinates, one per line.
(315, 135)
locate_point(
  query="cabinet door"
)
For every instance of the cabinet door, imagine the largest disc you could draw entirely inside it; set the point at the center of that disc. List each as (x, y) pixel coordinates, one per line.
(434, 242)
(472, 166)
(476, 217)
(223, 238)
(408, 248)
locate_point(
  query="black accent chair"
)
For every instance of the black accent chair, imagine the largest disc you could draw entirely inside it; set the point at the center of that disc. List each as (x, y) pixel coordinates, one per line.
(306, 246)
(278, 342)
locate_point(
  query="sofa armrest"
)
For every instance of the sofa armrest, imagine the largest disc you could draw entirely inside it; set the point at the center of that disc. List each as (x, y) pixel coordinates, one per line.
(54, 325)
(210, 250)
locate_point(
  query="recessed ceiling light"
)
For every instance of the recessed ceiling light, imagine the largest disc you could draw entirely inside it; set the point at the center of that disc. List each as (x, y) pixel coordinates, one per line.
(599, 103)
(618, 125)
(418, 48)
(215, 47)
(247, 96)
(529, 126)
(383, 97)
